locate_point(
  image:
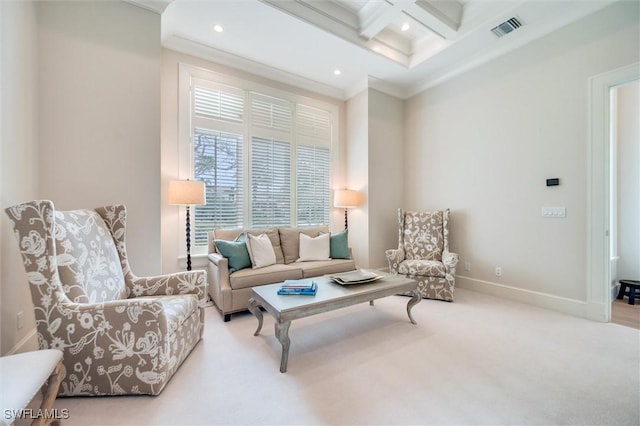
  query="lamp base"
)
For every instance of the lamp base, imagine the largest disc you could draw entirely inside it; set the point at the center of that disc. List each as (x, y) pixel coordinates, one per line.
(188, 240)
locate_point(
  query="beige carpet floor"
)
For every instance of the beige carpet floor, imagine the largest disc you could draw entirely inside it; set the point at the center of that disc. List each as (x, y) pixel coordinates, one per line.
(479, 360)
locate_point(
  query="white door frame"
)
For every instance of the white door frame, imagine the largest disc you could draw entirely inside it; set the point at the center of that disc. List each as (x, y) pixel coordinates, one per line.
(598, 253)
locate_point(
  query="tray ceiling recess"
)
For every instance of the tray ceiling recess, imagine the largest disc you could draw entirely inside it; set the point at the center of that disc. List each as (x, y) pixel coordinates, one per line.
(404, 31)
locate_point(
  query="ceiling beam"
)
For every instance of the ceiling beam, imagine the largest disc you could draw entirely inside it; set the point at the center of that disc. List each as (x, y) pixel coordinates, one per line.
(441, 17)
(376, 16)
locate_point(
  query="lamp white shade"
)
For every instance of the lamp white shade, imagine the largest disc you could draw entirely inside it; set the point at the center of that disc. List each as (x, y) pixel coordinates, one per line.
(346, 198)
(186, 192)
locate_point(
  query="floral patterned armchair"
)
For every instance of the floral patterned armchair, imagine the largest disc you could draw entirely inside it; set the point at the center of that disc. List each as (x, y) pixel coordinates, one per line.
(119, 333)
(423, 253)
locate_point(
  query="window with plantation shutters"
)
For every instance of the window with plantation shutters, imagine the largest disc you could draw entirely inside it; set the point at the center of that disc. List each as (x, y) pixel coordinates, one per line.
(270, 183)
(264, 155)
(313, 137)
(270, 159)
(217, 116)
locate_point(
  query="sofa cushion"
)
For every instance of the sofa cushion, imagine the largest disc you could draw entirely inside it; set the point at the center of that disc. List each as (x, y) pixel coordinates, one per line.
(425, 268)
(236, 252)
(314, 248)
(247, 278)
(339, 245)
(290, 240)
(232, 234)
(274, 237)
(260, 251)
(323, 267)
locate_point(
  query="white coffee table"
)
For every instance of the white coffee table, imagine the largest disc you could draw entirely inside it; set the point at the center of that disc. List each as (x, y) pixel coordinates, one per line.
(330, 296)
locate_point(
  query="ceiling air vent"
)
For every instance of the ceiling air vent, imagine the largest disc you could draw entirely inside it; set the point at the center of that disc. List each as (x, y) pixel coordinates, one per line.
(506, 27)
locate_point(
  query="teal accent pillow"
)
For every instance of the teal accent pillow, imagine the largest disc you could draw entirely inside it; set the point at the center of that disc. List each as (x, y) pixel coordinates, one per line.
(236, 251)
(339, 245)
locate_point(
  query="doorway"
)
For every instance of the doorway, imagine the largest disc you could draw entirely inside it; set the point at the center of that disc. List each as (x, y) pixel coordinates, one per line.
(624, 190)
(598, 306)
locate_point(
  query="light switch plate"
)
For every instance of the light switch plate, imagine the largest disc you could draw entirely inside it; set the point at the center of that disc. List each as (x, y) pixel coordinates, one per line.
(554, 212)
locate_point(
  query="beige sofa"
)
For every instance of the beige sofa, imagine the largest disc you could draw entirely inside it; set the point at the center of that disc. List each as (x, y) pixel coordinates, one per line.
(231, 291)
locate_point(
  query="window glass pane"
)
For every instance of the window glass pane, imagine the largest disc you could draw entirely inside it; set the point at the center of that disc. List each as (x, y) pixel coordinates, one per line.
(270, 183)
(218, 163)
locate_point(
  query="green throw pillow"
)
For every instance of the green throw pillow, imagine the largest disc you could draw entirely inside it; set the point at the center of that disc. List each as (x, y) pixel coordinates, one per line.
(339, 245)
(236, 252)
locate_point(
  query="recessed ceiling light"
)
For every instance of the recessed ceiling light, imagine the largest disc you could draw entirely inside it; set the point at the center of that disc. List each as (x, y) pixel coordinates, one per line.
(405, 26)
(218, 28)
(337, 72)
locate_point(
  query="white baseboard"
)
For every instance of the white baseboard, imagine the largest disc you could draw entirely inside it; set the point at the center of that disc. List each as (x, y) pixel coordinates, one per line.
(548, 301)
(26, 344)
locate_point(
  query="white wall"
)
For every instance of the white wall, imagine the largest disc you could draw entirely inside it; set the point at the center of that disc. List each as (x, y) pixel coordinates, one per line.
(374, 168)
(484, 143)
(19, 161)
(385, 174)
(357, 132)
(100, 115)
(628, 170)
(80, 126)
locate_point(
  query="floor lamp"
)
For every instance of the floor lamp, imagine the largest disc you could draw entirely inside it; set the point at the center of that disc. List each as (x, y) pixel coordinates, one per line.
(346, 199)
(187, 193)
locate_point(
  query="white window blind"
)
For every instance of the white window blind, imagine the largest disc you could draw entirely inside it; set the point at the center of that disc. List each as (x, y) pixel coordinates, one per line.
(313, 134)
(218, 104)
(270, 183)
(271, 113)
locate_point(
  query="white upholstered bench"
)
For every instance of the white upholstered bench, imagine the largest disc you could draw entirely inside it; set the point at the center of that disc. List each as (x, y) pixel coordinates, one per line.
(21, 377)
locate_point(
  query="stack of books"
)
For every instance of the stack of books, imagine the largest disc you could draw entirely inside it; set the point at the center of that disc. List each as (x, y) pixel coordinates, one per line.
(299, 287)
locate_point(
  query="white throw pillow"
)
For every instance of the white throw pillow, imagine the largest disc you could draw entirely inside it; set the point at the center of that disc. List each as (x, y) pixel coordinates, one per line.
(314, 248)
(260, 251)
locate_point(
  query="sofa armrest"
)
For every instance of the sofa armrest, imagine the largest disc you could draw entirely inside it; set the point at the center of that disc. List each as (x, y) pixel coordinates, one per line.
(219, 285)
(394, 257)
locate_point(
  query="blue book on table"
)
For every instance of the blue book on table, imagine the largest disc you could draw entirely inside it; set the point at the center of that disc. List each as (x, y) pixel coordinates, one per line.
(302, 291)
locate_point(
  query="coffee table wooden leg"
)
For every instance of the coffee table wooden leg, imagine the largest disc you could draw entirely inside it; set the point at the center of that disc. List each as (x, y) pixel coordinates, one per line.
(415, 299)
(254, 308)
(282, 333)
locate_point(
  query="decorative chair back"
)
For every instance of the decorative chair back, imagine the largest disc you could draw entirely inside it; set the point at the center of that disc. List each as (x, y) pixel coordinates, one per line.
(68, 256)
(87, 259)
(423, 235)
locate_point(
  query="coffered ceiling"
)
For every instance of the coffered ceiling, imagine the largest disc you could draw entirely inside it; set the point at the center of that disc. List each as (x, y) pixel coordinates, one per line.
(339, 47)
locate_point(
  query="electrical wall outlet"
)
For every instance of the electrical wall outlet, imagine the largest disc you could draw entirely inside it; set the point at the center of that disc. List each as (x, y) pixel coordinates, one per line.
(498, 271)
(467, 266)
(20, 320)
